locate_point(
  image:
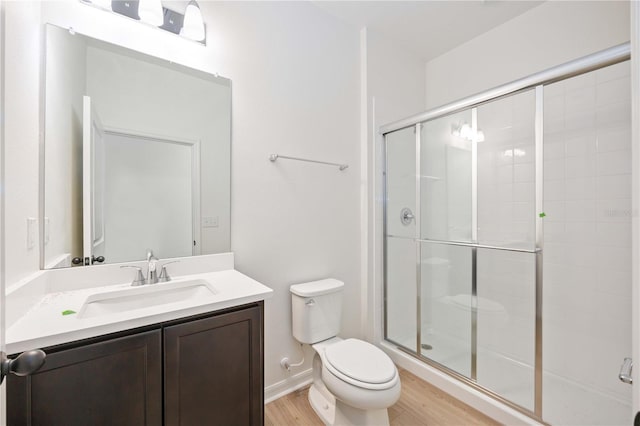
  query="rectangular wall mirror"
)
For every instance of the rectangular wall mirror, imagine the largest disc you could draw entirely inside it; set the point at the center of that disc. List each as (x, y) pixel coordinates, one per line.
(137, 154)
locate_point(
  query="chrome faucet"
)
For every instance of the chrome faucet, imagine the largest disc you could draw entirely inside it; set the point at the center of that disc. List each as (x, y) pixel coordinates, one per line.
(152, 271)
(152, 274)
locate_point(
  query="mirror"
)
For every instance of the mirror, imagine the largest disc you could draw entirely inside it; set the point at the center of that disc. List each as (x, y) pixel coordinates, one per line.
(137, 155)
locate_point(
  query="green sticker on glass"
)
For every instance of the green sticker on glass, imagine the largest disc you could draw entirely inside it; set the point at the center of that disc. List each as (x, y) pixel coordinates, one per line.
(543, 214)
(68, 312)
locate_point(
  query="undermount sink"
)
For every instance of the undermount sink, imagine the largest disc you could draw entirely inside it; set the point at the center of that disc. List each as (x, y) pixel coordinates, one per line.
(146, 296)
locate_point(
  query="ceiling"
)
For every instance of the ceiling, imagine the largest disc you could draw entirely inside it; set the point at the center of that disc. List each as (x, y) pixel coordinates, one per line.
(428, 28)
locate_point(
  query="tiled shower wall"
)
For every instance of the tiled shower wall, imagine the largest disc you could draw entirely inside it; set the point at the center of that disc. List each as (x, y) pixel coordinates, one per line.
(587, 252)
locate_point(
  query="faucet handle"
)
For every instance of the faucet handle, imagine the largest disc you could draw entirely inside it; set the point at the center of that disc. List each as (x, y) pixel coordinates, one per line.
(139, 279)
(164, 275)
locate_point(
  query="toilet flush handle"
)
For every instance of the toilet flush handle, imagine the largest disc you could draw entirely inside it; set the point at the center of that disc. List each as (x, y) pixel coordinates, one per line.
(310, 303)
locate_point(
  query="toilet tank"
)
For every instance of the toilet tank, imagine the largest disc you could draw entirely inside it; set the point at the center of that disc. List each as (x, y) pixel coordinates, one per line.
(316, 309)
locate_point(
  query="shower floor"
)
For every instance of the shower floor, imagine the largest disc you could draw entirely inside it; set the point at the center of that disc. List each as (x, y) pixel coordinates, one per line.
(565, 402)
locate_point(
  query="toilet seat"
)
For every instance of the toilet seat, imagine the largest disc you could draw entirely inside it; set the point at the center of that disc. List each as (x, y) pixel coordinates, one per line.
(360, 364)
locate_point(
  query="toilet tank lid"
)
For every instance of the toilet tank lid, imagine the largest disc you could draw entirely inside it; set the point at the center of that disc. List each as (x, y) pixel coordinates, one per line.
(317, 288)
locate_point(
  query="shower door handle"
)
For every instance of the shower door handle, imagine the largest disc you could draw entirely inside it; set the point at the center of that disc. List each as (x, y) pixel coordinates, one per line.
(625, 371)
(406, 216)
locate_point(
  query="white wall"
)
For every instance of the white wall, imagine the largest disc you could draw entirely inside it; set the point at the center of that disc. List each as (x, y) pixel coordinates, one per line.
(393, 88)
(295, 73)
(296, 87)
(21, 133)
(66, 84)
(548, 35)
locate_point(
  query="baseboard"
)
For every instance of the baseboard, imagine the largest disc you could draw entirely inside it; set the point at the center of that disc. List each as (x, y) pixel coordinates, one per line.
(286, 386)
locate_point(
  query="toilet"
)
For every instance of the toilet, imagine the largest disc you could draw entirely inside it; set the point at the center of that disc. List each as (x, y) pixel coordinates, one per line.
(354, 382)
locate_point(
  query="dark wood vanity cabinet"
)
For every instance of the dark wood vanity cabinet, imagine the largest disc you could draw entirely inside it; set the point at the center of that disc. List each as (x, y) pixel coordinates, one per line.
(204, 370)
(116, 381)
(213, 370)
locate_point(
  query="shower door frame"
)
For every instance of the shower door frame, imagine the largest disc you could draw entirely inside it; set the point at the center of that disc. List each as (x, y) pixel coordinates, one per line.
(536, 82)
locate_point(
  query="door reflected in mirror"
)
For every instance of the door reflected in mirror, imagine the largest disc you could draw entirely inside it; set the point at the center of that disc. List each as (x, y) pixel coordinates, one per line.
(136, 155)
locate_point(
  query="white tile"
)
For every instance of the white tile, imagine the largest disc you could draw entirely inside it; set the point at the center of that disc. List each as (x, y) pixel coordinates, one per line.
(553, 125)
(523, 212)
(553, 107)
(616, 258)
(580, 210)
(524, 127)
(616, 281)
(617, 90)
(613, 186)
(525, 151)
(619, 112)
(554, 232)
(505, 212)
(579, 82)
(583, 98)
(554, 149)
(579, 120)
(613, 234)
(578, 167)
(554, 190)
(613, 163)
(555, 253)
(555, 211)
(613, 72)
(554, 169)
(614, 138)
(554, 90)
(616, 210)
(582, 143)
(523, 191)
(524, 172)
(505, 192)
(581, 188)
(505, 174)
(580, 232)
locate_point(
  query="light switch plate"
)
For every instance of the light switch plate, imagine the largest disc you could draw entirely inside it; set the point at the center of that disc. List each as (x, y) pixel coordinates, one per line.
(210, 221)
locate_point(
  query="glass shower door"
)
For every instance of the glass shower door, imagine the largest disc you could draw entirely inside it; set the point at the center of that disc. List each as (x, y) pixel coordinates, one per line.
(400, 233)
(506, 273)
(445, 269)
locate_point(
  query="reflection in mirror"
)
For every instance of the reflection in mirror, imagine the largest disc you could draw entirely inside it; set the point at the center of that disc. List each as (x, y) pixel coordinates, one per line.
(136, 155)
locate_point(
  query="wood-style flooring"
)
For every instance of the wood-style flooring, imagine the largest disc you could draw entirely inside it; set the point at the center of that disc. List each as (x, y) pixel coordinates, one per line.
(420, 404)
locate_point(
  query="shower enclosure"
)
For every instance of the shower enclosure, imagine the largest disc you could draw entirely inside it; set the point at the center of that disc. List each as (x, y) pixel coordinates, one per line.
(507, 228)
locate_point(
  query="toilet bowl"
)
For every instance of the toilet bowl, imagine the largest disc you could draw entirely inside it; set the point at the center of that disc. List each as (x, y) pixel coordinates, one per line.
(354, 382)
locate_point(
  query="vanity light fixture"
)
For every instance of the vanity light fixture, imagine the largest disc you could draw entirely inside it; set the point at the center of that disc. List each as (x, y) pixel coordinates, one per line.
(193, 26)
(181, 17)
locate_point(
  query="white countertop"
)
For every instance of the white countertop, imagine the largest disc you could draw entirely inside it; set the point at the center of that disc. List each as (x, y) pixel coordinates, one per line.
(44, 324)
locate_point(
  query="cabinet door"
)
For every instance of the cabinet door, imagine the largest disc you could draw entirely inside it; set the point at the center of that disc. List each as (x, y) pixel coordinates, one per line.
(213, 370)
(116, 382)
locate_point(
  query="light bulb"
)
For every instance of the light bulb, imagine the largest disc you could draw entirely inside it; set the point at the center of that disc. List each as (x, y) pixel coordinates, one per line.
(465, 131)
(193, 26)
(150, 11)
